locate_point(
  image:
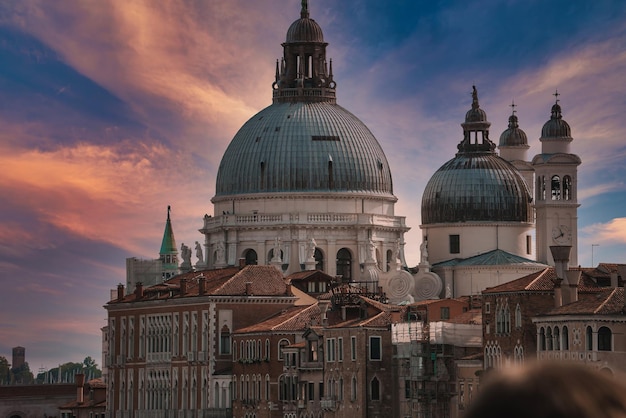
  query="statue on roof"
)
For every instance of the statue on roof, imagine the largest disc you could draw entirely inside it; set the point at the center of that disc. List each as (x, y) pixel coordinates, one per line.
(199, 254)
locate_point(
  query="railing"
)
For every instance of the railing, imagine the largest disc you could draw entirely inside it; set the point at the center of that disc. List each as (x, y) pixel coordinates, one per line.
(231, 220)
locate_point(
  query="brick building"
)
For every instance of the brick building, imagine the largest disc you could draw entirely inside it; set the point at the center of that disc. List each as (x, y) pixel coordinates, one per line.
(169, 346)
(509, 333)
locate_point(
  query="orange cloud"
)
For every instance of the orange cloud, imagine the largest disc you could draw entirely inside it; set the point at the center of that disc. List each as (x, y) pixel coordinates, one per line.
(613, 231)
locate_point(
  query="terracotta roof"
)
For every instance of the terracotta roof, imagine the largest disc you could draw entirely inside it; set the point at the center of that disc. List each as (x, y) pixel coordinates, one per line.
(264, 281)
(293, 319)
(230, 281)
(471, 317)
(607, 302)
(307, 274)
(541, 281)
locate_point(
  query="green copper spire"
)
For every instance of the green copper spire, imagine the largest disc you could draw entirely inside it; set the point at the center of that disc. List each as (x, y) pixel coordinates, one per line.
(168, 245)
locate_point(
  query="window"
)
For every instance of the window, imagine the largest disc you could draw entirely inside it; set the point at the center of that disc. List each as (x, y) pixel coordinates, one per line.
(340, 349)
(487, 307)
(330, 349)
(281, 345)
(445, 312)
(311, 387)
(375, 389)
(542, 339)
(375, 348)
(344, 264)
(556, 188)
(529, 244)
(353, 348)
(557, 339)
(225, 342)
(567, 188)
(549, 339)
(518, 316)
(251, 257)
(353, 391)
(267, 349)
(604, 339)
(565, 339)
(455, 244)
(589, 339)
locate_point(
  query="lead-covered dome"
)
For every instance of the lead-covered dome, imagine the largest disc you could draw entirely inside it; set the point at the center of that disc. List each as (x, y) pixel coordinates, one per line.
(514, 136)
(304, 29)
(476, 185)
(479, 187)
(304, 147)
(556, 127)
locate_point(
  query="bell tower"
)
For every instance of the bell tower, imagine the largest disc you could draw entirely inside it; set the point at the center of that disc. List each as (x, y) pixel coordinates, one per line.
(556, 189)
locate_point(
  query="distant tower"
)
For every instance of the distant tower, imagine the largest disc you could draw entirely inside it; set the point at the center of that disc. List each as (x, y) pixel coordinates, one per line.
(556, 195)
(168, 254)
(19, 357)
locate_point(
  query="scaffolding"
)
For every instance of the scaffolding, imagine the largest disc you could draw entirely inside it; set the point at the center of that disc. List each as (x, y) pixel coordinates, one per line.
(422, 369)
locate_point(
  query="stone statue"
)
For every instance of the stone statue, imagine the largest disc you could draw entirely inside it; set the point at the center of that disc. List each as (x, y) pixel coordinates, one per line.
(276, 250)
(199, 253)
(185, 253)
(396, 251)
(311, 249)
(221, 250)
(424, 251)
(371, 250)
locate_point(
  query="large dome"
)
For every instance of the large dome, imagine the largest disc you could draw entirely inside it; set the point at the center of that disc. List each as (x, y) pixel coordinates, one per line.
(476, 187)
(304, 147)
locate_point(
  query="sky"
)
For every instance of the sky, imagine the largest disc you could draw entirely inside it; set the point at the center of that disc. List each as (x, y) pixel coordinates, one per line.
(112, 110)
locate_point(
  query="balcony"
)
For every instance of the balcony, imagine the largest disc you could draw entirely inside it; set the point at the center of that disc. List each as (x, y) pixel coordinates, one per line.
(328, 404)
(288, 219)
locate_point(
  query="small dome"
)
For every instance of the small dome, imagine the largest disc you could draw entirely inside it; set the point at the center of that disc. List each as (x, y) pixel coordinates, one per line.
(305, 30)
(556, 127)
(475, 114)
(476, 187)
(513, 136)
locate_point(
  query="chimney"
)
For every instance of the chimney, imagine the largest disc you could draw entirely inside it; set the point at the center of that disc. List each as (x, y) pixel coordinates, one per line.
(183, 286)
(120, 291)
(202, 285)
(560, 254)
(249, 288)
(614, 279)
(79, 379)
(139, 290)
(242, 263)
(573, 277)
(288, 290)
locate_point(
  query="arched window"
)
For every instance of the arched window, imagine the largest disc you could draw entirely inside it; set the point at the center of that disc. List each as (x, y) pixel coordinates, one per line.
(389, 257)
(518, 316)
(565, 338)
(281, 345)
(344, 264)
(567, 188)
(549, 339)
(251, 257)
(518, 354)
(234, 388)
(267, 349)
(225, 342)
(556, 187)
(319, 259)
(557, 339)
(375, 389)
(589, 339)
(542, 339)
(353, 391)
(604, 339)
(507, 319)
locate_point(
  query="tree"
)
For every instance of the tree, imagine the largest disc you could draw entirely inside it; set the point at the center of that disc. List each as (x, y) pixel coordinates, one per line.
(5, 371)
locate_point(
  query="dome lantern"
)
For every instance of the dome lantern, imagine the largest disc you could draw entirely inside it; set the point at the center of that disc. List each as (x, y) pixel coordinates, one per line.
(303, 74)
(476, 129)
(513, 136)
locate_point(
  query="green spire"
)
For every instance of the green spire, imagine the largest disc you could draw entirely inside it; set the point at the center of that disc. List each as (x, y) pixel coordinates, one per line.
(168, 245)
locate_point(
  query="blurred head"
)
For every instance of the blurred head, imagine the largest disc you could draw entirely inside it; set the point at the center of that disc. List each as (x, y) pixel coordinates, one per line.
(552, 390)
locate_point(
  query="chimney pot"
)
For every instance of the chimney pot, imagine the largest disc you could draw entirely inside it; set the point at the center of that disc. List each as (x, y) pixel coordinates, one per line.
(79, 380)
(139, 290)
(183, 287)
(120, 291)
(202, 285)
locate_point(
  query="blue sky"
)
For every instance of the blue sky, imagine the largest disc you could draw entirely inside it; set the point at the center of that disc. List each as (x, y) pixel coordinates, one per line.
(113, 110)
